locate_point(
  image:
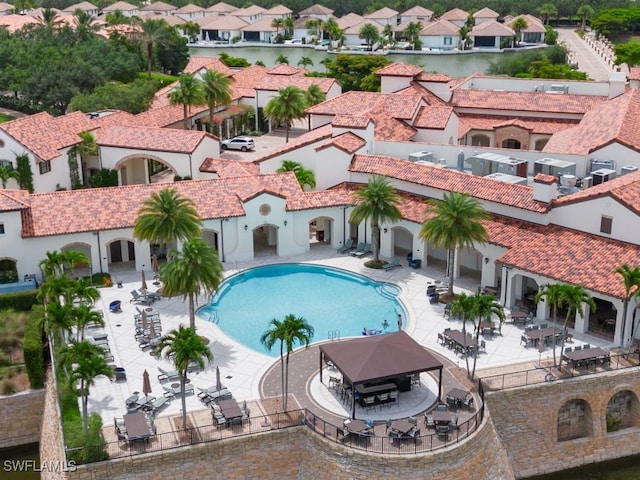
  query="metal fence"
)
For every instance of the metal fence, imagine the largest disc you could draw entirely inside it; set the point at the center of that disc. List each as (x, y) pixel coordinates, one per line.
(534, 376)
(379, 442)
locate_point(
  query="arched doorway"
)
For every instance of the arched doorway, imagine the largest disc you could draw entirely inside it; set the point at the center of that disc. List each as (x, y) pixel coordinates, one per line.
(265, 241)
(144, 170)
(320, 231)
(401, 241)
(470, 263)
(8, 270)
(512, 143)
(121, 254)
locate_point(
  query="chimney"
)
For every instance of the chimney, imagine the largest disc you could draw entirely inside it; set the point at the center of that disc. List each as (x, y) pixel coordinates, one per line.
(617, 82)
(545, 188)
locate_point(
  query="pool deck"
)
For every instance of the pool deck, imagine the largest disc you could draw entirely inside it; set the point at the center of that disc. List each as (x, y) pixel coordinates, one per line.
(250, 375)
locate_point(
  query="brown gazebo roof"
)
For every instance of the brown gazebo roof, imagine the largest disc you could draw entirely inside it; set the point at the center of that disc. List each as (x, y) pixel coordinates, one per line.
(380, 357)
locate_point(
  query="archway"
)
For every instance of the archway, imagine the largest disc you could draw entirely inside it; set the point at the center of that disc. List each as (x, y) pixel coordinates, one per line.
(265, 241)
(212, 238)
(621, 410)
(480, 140)
(121, 254)
(575, 420)
(8, 270)
(470, 263)
(143, 170)
(401, 241)
(602, 321)
(512, 143)
(320, 231)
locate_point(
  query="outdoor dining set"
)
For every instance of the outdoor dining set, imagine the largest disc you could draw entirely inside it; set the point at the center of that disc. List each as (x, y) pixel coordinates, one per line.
(135, 427)
(461, 343)
(585, 356)
(535, 335)
(369, 397)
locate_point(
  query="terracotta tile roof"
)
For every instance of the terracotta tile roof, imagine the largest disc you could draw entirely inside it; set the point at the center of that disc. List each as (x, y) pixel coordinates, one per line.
(190, 8)
(489, 122)
(45, 135)
(525, 101)
(221, 7)
(308, 138)
(122, 6)
(622, 125)
(491, 28)
(210, 63)
(229, 168)
(433, 117)
(427, 95)
(157, 7)
(399, 69)
(534, 24)
(14, 22)
(165, 116)
(634, 73)
(118, 118)
(316, 9)
(355, 29)
(441, 27)
(249, 11)
(285, 69)
(275, 83)
(221, 22)
(262, 25)
(347, 142)
(486, 12)
(334, 197)
(433, 77)
(417, 11)
(351, 121)
(624, 189)
(84, 6)
(383, 13)
(349, 20)
(245, 81)
(518, 196)
(170, 19)
(360, 103)
(157, 139)
(455, 14)
(279, 10)
(11, 200)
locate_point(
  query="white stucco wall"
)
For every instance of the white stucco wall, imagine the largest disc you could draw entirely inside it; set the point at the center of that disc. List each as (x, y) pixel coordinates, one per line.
(183, 164)
(438, 41)
(620, 154)
(393, 84)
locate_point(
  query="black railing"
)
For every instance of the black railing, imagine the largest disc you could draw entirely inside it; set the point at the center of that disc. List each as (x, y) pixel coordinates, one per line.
(380, 442)
(619, 361)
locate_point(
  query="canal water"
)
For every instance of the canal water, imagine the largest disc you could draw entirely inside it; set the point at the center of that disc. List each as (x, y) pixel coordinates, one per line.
(454, 64)
(627, 468)
(20, 463)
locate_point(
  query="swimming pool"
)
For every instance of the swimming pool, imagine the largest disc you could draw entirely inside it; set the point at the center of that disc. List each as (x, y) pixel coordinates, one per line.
(336, 302)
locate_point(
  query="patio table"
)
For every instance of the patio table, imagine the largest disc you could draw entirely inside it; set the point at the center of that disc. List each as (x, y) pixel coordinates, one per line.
(458, 394)
(137, 426)
(519, 317)
(402, 426)
(544, 333)
(585, 355)
(357, 426)
(442, 417)
(230, 409)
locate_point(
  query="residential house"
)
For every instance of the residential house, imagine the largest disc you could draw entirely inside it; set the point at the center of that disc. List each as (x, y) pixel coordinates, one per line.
(440, 35)
(416, 14)
(317, 11)
(5, 9)
(491, 34)
(221, 28)
(86, 7)
(127, 9)
(534, 32)
(190, 12)
(220, 8)
(250, 14)
(384, 16)
(485, 15)
(352, 34)
(159, 8)
(457, 16)
(279, 11)
(261, 31)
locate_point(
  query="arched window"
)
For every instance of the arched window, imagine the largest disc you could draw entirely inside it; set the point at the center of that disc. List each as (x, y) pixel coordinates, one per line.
(574, 420)
(540, 144)
(619, 411)
(480, 140)
(511, 143)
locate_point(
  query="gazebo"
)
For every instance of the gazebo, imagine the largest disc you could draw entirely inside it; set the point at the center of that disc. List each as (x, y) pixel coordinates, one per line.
(375, 359)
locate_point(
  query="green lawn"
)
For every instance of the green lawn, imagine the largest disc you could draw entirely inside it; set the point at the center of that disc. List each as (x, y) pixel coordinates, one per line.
(5, 118)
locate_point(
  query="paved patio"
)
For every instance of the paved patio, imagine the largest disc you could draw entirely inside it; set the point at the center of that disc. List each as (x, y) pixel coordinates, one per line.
(250, 375)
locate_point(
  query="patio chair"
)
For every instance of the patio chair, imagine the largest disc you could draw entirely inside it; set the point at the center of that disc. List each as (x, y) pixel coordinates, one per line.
(443, 432)
(154, 296)
(429, 421)
(358, 248)
(348, 245)
(165, 375)
(441, 407)
(366, 250)
(412, 420)
(393, 397)
(369, 403)
(394, 263)
(159, 403)
(137, 298)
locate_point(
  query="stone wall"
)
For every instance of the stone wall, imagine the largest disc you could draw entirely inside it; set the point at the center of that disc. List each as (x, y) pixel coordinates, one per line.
(51, 440)
(300, 454)
(527, 419)
(20, 416)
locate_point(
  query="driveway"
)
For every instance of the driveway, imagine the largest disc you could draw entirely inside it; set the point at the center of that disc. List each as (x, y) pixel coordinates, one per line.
(264, 144)
(588, 59)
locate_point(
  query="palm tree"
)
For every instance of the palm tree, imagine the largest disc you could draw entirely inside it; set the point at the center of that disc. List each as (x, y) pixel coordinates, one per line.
(282, 59)
(58, 322)
(167, 216)
(191, 30)
(387, 32)
(631, 280)
(193, 270)
(333, 29)
(575, 297)
(52, 266)
(456, 222)
(293, 329)
(217, 92)
(288, 106)
(314, 95)
(518, 25)
(277, 23)
(73, 258)
(81, 290)
(154, 32)
(313, 27)
(412, 31)
(304, 176)
(49, 19)
(585, 12)
(184, 347)
(555, 295)
(87, 362)
(463, 305)
(117, 18)
(289, 24)
(484, 308)
(84, 24)
(7, 172)
(370, 34)
(547, 11)
(189, 92)
(305, 62)
(84, 315)
(379, 202)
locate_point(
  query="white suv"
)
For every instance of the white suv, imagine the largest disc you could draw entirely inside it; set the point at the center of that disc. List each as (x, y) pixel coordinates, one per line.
(238, 143)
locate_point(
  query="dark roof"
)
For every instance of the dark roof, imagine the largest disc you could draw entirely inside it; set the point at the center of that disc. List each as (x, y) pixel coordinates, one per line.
(379, 357)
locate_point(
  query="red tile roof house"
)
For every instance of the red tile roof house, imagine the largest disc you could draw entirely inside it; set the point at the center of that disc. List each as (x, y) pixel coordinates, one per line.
(537, 235)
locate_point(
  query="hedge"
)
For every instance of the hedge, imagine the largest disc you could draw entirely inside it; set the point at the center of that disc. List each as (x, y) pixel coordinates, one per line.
(20, 301)
(32, 348)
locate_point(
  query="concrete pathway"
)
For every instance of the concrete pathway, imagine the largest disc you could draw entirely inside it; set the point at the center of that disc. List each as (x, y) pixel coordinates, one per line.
(586, 57)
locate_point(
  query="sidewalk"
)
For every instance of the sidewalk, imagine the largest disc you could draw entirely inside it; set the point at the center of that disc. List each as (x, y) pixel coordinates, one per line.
(587, 58)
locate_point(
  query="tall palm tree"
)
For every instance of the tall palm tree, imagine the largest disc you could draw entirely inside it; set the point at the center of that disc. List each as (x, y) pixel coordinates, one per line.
(117, 18)
(217, 92)
(305, 62)
(189, 92)
(484, 309)
(191, 30)
(49, 19)
(464, 305)
(193, 270)
(81, 290)
(370, 34)
(304, 176)
(387, 32)
(631, 280)
(555, 296)
(73, 258)
(288, 106)
(154, 32)
(547, 11)
(52, 265)
(58, 322)
(333, 29)
(86, 361)
(314, 95)
(575, 298)
(277, 24)
(84, 24)
(585, 12)
(289, 24)
(378, 202)
(7, 172)
(518, 25)
(456, 222)
(84, 315)
(412, 31)
(288, 332)
(167, 216)
(184, 347)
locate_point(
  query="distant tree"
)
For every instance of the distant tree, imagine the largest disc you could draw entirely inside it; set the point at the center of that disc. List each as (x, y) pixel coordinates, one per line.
(217, 92)
(117, 18)
(334, 31)
(84, 24)
(277, 24)
(189, 92)
(305, 62)
(628, 53)
(585, 12)
(369, 33)
(547, 11)
(412, 32)
(133, 97)
(387, 34)
(289, 24)
(314, 95)
(303, 175)
(191, 30)
(438, 9)
(260, 63)
(49, 19)
(153, 33)
(355, 72)
(282, 59)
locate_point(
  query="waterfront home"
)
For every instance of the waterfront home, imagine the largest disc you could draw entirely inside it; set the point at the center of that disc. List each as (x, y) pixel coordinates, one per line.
(127, 9)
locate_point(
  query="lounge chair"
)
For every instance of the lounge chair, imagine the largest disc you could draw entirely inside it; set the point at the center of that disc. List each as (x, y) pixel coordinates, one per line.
(365, 250)
(395, 262)
(152, 295)
(348, 245)
(137, 298)
(159, 403)
(168, 375)
(359, 248)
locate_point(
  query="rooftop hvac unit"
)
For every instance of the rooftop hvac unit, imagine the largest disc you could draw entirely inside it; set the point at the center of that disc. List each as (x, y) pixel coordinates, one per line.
(423, 156)
(598, 164)
(558, 88)
(602, 175)
(628, 169)
(586, 182)
(553, 167)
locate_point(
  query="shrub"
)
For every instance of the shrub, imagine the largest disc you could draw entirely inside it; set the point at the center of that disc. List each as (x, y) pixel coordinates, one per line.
(101, 279)
(8, 387)
(20, 301)
(32, 348)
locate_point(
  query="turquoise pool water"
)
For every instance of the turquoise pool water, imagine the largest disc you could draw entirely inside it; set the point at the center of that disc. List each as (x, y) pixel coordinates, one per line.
(334, 301)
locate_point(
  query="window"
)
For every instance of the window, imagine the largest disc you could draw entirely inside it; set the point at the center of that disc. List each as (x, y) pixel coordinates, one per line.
(6, 163)
(511, 143)
(1, 228)
(448, 40)
(605, 224)
(45, 167)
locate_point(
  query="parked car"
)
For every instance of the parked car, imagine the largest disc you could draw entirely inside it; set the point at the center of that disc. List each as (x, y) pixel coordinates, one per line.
(238, 143)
